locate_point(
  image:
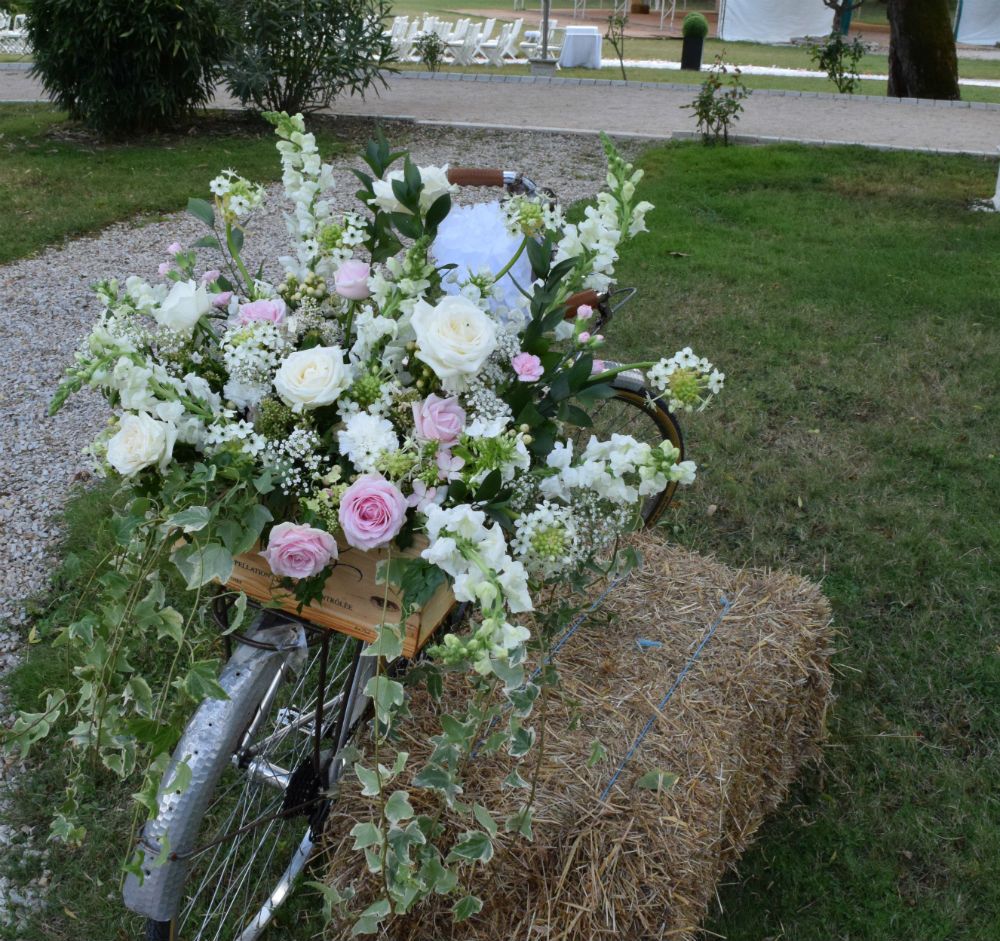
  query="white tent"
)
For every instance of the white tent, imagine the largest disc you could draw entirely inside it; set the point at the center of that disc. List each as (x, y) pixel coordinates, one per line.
(775, 20)
(978, 22)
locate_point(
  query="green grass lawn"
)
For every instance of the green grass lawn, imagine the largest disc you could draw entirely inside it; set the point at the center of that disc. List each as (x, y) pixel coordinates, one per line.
(851, 298)
(59, 182)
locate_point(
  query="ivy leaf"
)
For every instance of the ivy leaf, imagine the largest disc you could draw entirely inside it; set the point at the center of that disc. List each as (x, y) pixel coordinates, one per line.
(597, 753)
(386, 694)
(207, 241)
(657, 780)
(368, 921)
(436, 877)
(520, 823)
(467, 907)
(370, 783)
(455, 731)
(398, 807)
(514, 779)
(521, 742)
(523, 699)
(475, 846)
(202, 564)
(180, 779)
(192, 520)
(170, 624)
(201, 209)
(512, 676)
(484, 819)
(202, 681)
(388, 644)
(365, 835)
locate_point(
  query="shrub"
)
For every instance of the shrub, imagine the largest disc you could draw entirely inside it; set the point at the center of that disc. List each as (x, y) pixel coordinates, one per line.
(839, 59)
(123, 66)
(431, 49)
(717, 110)
(695, 25)
(298, 55)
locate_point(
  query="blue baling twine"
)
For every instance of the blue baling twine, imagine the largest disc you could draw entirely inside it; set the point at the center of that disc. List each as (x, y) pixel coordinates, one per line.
(726, 605)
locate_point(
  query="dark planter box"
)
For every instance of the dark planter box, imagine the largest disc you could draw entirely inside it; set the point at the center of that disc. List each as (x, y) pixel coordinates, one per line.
(640, 8)
(691, 51)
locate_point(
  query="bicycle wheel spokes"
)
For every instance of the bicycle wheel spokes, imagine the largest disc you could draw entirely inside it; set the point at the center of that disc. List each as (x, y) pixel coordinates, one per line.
(253, 843)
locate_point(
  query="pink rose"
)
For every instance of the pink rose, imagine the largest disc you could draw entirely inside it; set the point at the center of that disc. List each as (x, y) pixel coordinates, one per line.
(273, 310)
(298, 551)
(210, 277)
(165, 268)
(528, 367)
(372, 511)
(175, 248)
(584, 312)
(597, 367)
(351, 280)
(438, 419)
(584, 337)
(222, 299)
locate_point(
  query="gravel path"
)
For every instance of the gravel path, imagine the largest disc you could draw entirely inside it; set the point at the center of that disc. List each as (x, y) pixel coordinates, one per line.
(48, 307)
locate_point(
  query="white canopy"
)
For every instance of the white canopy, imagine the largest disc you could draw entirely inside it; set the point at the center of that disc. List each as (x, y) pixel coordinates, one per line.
(978, 22)
(775, 20)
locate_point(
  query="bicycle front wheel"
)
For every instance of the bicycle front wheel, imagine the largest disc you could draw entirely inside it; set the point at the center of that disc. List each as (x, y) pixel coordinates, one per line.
(267, 808)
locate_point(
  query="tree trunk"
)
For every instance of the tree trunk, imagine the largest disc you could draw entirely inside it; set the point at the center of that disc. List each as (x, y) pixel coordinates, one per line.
(922, 60)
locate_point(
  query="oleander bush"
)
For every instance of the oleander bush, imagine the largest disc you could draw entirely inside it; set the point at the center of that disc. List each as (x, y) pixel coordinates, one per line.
(298, 55)
(126, 66)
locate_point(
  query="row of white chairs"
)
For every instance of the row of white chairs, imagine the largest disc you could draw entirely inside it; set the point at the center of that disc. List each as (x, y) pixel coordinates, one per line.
(13, 33)
(466, 43)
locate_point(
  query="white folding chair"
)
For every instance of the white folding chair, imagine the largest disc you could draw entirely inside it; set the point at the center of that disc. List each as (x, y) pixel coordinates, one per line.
(464, 49)
(493, 50)
(487, 30)
(509, 51)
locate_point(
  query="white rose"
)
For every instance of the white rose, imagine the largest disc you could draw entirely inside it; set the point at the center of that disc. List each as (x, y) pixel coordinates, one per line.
(141, 440)
(181, 309)
(435, 180)
(454, 337)
(311, 378)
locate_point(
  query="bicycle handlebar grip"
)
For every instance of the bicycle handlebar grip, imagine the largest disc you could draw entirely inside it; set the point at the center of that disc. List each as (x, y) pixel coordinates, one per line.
(591, 298)
(472, 176)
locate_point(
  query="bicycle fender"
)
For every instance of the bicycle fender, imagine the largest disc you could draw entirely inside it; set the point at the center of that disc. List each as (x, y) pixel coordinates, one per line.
(207, 746)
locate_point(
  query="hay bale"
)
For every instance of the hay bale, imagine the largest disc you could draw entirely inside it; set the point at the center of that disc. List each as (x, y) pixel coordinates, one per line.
(748, 711)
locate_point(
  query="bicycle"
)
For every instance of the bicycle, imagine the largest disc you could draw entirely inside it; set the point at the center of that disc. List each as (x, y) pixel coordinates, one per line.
(226, 851)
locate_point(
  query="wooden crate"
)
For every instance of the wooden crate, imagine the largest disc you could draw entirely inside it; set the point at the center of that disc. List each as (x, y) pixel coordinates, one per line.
(353, 602)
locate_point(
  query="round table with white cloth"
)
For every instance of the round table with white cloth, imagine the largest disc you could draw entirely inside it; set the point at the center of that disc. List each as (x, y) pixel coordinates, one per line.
(581, 48)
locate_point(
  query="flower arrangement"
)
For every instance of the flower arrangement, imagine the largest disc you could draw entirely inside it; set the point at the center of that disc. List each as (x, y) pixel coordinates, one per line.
(413, 372)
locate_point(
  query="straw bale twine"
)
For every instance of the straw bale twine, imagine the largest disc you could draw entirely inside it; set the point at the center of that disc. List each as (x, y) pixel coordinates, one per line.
(643, 864)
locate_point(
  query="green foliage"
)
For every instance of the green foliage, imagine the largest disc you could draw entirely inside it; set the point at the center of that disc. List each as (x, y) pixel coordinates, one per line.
(298, 55)
(694, 25)
(125, 66)
(839, 59)
(431, 49)
(718, 110)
